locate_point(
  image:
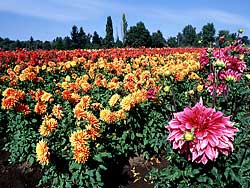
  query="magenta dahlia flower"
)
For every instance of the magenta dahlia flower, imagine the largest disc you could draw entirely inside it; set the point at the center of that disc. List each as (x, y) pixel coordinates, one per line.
(151, 93)
(202, 133)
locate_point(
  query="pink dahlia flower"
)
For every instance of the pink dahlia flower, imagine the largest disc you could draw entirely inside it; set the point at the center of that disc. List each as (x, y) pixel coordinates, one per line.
(202, 133)
(151, 93)
(230, 75)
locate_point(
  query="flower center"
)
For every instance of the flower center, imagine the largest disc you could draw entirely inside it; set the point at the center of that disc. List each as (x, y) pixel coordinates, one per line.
(189, 136)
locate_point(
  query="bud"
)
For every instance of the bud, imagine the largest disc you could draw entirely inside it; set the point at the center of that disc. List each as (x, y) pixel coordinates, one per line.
(230, 78)
(191, 92)
(199, 88)
(189, 136)
(67, 79)
(240, 31)
(247, 76)
(44, 67)
(220, 64)
(241, 57)
(167, 89)
(209, 50)
(167, 73)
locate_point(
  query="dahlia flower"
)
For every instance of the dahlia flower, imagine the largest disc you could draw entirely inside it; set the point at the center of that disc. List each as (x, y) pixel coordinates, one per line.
(151, 93)
(202, 133)
(42, 152)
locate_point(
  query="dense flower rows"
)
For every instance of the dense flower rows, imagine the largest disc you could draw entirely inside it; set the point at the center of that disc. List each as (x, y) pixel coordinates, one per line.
(40, 82)
(100, 88)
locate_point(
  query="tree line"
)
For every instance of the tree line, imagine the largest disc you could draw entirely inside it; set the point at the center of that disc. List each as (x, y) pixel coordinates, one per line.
(136, 36)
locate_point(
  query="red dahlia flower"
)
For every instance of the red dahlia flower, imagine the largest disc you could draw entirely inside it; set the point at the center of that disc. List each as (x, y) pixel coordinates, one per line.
(202, 133)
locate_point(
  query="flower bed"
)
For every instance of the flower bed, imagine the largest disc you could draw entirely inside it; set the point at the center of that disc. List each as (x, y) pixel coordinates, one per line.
(77, 112)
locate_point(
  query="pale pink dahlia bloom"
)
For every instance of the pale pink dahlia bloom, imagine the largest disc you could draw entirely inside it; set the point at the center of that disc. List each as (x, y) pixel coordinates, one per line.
(202, 133)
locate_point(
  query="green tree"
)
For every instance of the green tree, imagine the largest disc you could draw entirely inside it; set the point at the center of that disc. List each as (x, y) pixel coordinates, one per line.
(18, 44)
(158, 40)
(208, 34)
(224, 38)
(245, 40)
(189, 35)
(118, 42)
(67, 43)
(179, 39)
(31, 43)
(74, 37)
(96, 40)
(124, 28)
(82, 39)
(46, 45)
(109, 38)
(138, 36)
(172, 42)
(88, 41)
(58, 43)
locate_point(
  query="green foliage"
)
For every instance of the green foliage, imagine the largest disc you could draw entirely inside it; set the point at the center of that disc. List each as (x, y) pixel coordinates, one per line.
(227, 171)
(74, 37)
(172, 42)
(124, 28)
(158, 40)
(189, 35)
(224, 38)
(21, 138)
(109, 38)
(138, 36)
(96, 40)
(208, 33)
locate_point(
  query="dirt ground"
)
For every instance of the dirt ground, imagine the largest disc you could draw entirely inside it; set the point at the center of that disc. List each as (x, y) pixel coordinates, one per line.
(130, 175)
(17, 175)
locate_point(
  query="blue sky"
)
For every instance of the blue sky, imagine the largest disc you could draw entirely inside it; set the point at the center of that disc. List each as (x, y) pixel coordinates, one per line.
(46, 19)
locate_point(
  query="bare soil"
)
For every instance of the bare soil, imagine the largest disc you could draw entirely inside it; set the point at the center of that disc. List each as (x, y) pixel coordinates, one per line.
(17, 175)
(131, 174)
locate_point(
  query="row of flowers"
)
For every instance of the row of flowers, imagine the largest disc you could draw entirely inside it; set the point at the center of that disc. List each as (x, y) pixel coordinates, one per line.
(101, 87)
(124, 82)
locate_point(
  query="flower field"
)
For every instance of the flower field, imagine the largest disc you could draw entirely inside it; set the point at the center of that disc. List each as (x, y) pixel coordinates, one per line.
(77, 112)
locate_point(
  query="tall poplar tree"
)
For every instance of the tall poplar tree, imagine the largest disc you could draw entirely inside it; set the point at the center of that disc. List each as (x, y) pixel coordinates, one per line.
(109, 38)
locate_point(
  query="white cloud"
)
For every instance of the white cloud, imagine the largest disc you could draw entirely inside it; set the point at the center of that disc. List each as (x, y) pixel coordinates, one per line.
(225, 17)
(76, 10)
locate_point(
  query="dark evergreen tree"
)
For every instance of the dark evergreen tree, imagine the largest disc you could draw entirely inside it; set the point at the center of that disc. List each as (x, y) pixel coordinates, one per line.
(82, 39)
(158, 40)
(109, 38)
(138, 36)
(96, 40)
(58, 43)
(31, 43)
(74, 37)
(46, 45)
(67, 43)
(38, 44)
(18, 44)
